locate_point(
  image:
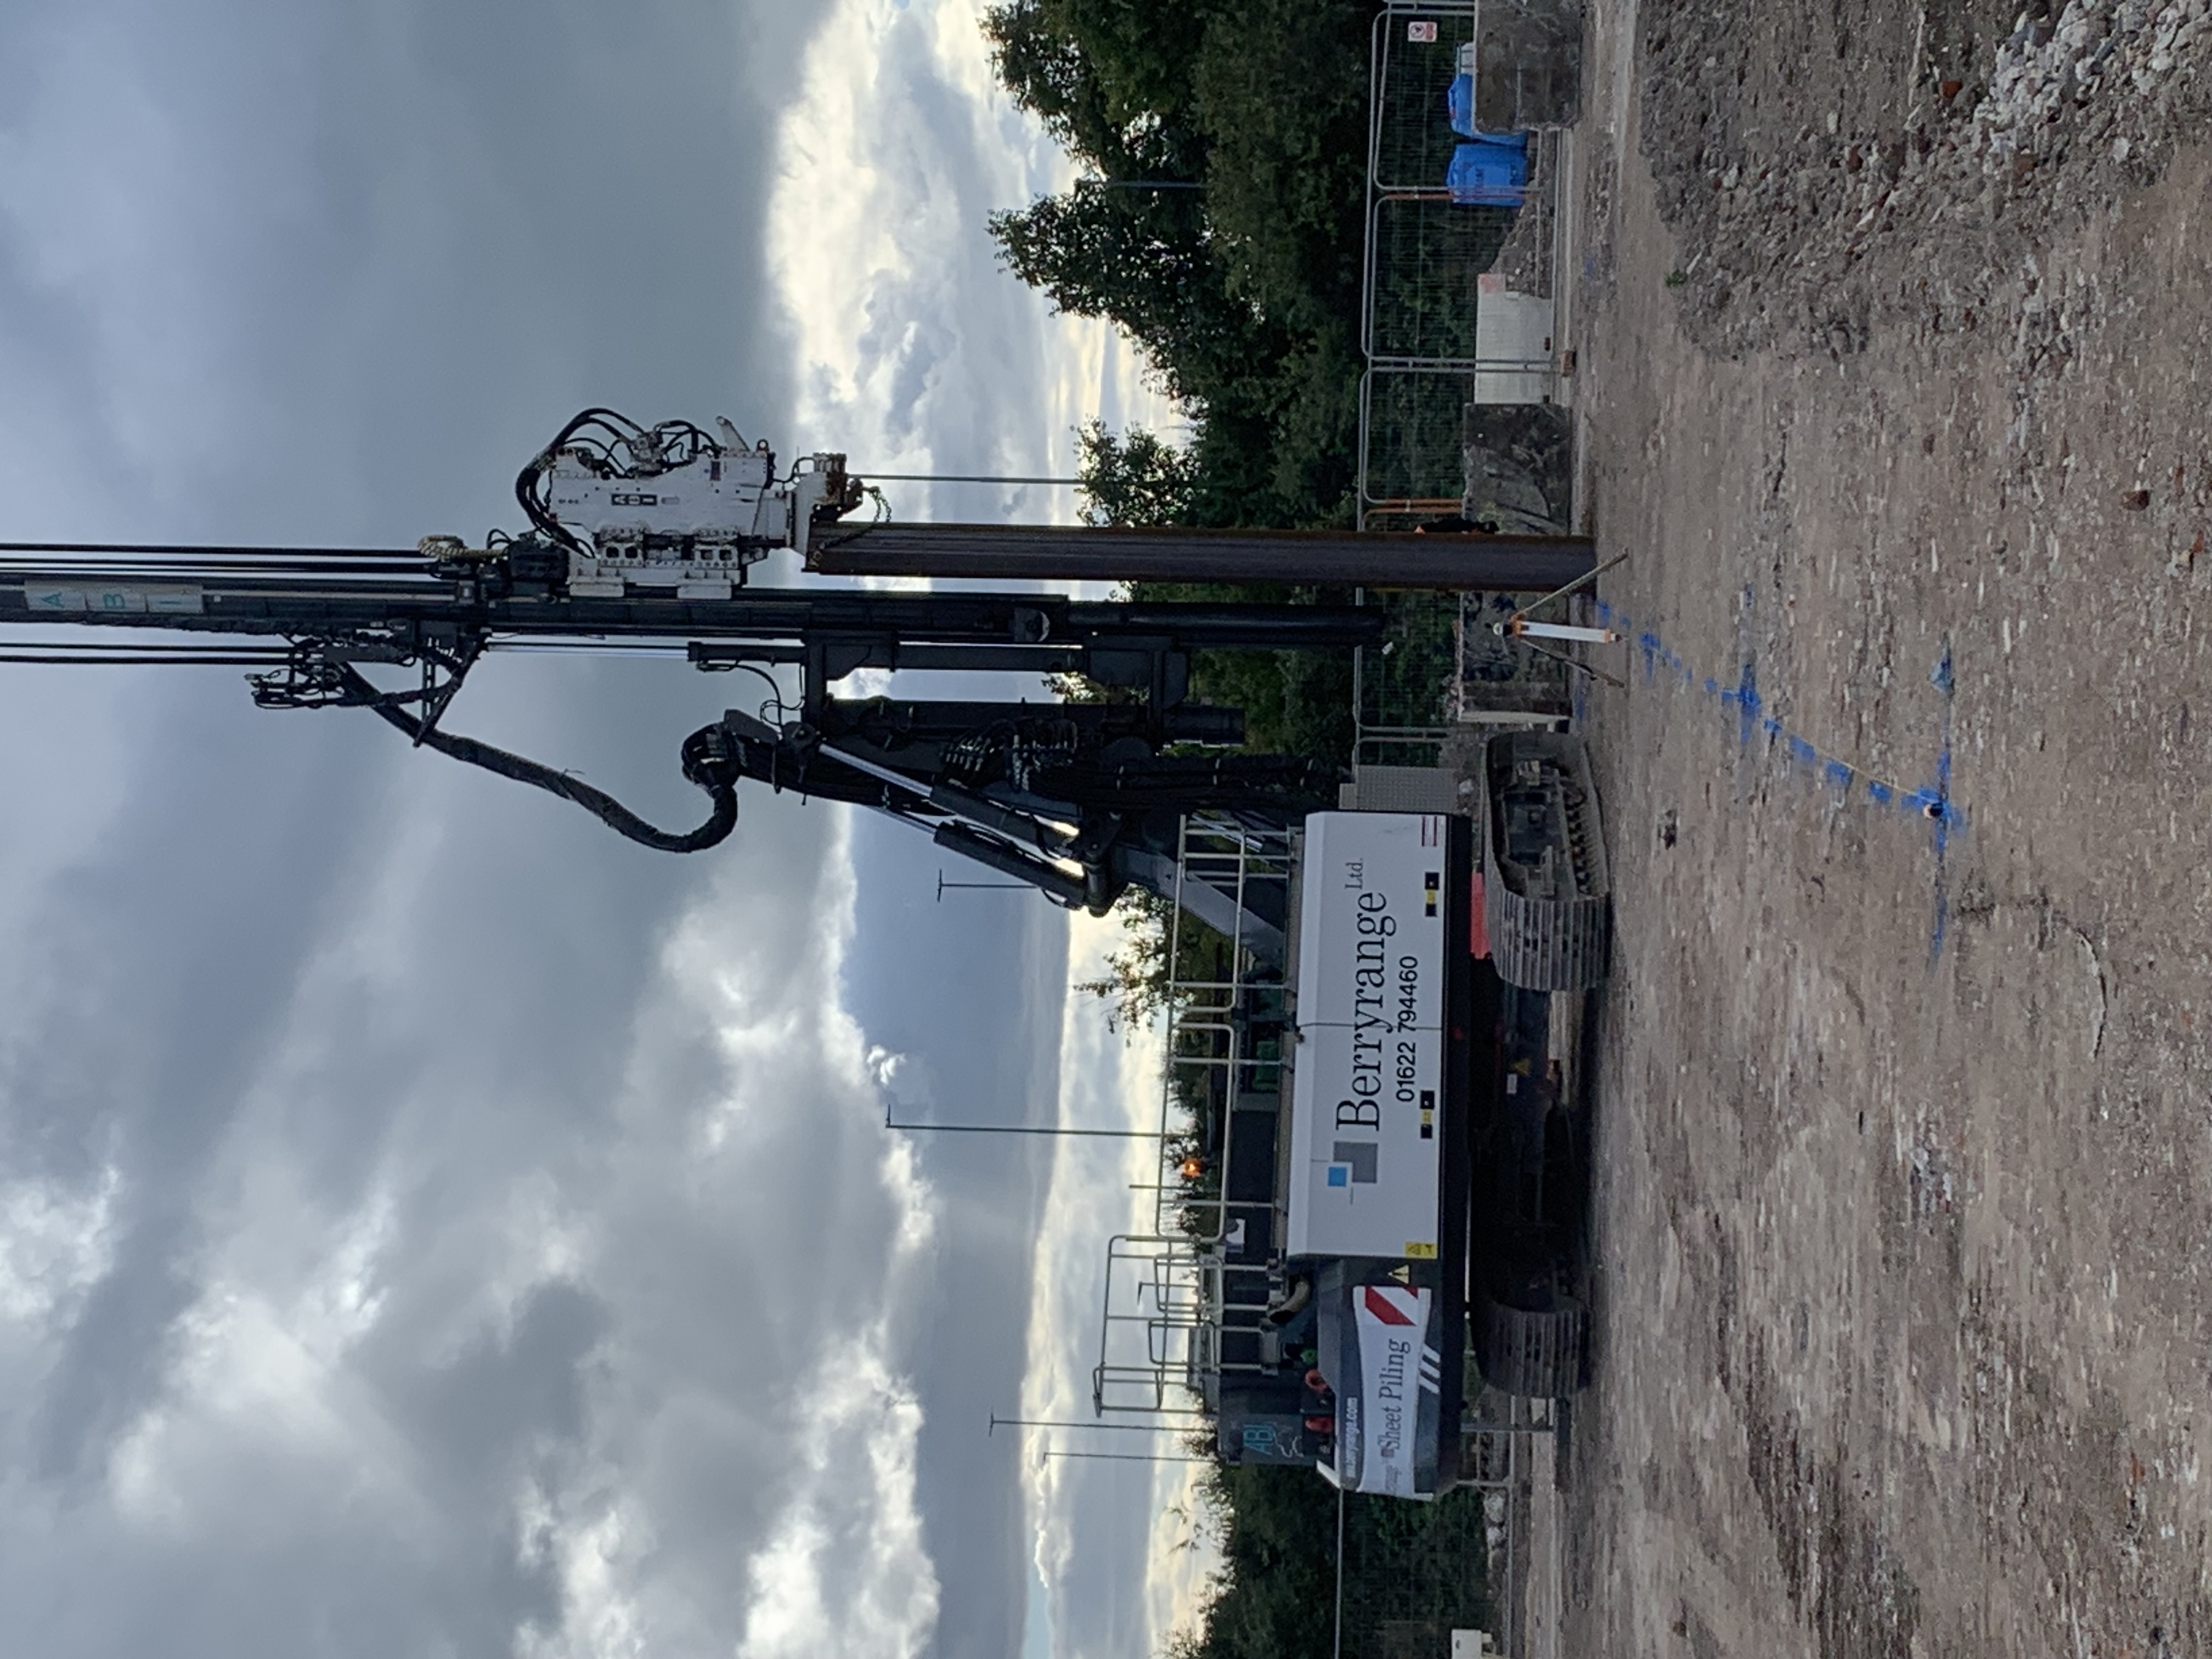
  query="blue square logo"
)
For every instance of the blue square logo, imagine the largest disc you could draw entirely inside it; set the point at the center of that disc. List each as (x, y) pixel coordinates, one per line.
(1339, 1175)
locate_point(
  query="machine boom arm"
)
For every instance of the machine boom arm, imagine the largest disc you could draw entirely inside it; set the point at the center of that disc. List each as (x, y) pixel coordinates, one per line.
(648, 535)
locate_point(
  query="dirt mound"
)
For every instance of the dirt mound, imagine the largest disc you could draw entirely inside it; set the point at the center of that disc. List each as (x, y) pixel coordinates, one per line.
(1822, 179)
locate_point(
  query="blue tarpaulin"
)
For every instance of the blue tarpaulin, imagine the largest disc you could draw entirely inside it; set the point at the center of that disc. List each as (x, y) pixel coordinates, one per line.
(1459, 99)
(1490, 172)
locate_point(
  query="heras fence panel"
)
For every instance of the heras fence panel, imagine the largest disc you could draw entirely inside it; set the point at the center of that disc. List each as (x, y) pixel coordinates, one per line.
(1416, 55)
(1426, 256)
(1411, 458)
(1402, 688)
(1413, 1573)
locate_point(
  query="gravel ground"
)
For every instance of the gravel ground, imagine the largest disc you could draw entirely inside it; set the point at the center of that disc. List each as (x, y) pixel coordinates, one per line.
(1895, 333)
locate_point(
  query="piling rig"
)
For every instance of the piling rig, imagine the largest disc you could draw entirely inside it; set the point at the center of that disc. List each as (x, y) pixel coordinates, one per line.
(647, 537)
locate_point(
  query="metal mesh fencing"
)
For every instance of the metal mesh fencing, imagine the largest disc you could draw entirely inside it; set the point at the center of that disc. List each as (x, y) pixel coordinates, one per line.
(1415, 57)
(1444, 668)
(1458, 318)
(1498, 675)
(1427, 255)
(1410, 459)
(1403, 689)
(1413, 1573)
(1445, 316)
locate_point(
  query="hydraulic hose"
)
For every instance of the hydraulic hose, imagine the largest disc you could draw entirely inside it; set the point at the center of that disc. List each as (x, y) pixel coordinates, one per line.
(707, 763)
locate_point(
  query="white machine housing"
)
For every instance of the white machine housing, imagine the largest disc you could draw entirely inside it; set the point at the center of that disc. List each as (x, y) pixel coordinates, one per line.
(1367, 1081)
(693, 526)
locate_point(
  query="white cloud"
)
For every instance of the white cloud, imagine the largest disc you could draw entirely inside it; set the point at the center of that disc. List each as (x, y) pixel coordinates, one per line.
(918, 353)
(1100, 1522)
(855, 1435)
(55, 1244)
(550, 1330)
(430, 1224)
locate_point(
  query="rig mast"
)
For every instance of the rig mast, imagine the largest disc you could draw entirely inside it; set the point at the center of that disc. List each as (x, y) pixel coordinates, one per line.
(646, 535)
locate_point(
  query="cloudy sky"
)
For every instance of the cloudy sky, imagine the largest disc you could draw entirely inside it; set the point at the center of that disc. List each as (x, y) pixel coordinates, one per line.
(427, 1223)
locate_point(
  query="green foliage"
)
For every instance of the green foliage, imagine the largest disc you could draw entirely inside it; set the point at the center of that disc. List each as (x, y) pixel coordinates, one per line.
(1135, 480)
(1281, 89)
(1295, 703)
(1242, 295)
(1109, 79)
(1407, 683)
(1275, 1596)
(1412, 1572)
(1135, 984)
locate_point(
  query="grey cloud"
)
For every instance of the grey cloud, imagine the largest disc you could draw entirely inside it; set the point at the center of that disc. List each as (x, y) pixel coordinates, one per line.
(305, 973)
(153, 967)
(962, 333)
(668, 1366)
(973, 964)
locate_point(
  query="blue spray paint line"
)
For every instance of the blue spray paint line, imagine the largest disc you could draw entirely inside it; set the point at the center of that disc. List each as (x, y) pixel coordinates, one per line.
(1932, 803)
(1744, 694)
(1938, 804)
(1752, 717)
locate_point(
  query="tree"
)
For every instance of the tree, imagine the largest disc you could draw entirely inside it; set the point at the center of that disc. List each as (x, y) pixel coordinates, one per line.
(1275, 1595)
(1143, 258)
(1244, 298)
(1295, 703)
(1242, 294)
(1110, 79)
(1135, 479)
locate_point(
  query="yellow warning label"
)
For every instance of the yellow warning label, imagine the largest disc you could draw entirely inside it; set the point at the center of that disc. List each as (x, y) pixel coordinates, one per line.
(1420, 1249)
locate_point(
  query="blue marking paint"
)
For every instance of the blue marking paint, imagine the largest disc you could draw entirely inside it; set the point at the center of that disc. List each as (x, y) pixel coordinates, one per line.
(1932, 802)
(1938, 807)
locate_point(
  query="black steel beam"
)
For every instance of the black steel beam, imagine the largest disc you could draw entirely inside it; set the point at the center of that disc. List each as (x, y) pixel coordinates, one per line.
(1314, 557)
(275, 605)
